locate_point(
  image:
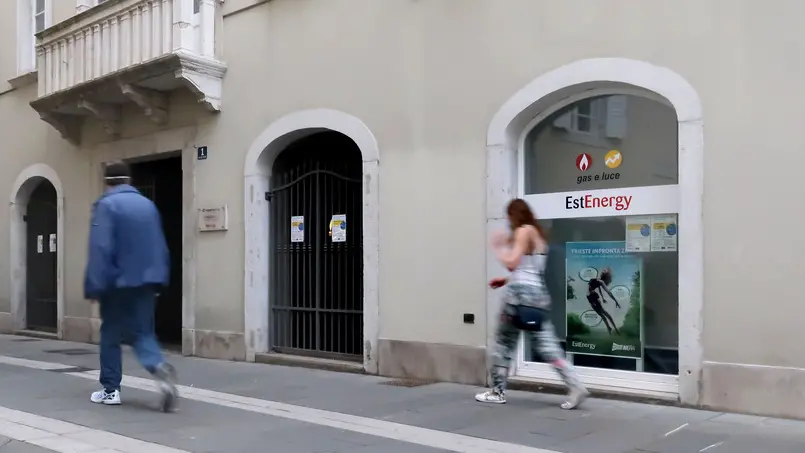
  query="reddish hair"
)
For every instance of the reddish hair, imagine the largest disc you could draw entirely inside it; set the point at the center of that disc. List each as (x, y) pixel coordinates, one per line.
(520, 214)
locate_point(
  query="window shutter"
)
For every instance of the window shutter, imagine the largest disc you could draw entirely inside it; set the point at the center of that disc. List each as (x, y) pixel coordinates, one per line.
(616, 116)
(564, 121)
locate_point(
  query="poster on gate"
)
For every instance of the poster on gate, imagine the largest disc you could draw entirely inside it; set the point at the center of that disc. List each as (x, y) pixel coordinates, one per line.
(338, 228)
(604, 312)
(298, 228)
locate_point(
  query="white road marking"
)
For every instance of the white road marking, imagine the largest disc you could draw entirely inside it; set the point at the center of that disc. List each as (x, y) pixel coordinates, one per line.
(683, 426)
(717, 444)
(63, 437)
(458, 443)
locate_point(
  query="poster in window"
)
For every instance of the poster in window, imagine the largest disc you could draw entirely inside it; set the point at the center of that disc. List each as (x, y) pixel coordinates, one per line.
(604, 300)
(664, 233)
(638, 234)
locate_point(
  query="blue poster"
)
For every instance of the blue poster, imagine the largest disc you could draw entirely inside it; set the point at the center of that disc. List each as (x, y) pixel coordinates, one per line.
(604, 299)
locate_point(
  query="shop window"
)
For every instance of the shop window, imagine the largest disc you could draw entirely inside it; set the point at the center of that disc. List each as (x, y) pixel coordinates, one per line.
(644, 284)
(612, 269)
(605, 142)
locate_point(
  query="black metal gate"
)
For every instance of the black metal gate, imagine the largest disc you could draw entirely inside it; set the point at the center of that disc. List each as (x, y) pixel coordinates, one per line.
(317, 283)
(41, 245)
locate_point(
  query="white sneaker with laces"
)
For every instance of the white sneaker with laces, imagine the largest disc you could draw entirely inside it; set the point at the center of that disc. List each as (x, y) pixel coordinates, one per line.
(102, 397)
(490, 396)
(575, 398)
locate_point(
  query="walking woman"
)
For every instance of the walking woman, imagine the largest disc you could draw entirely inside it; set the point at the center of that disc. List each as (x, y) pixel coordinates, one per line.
(595, 297)
(523, 252)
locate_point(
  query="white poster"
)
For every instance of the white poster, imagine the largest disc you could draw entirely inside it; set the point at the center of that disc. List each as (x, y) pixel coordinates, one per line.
(664, 233)
(52, 243)
(338, 228)
(638, 234)
(298, 228)
(40, 244)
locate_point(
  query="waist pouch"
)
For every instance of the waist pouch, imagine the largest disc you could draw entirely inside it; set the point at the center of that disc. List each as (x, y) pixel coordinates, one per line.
(528, 318)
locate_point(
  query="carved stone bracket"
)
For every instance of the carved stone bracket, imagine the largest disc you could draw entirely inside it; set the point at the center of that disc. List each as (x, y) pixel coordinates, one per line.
(153, 103)
(108, 115)
(69, 126)
(204, 77)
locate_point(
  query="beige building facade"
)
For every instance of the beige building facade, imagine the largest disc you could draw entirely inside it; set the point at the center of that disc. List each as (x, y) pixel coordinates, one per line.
(329, 173)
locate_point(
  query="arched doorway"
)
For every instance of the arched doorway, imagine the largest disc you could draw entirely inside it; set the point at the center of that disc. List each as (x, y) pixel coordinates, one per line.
(37, 279)
(316, 259)
(41, 246)
(563, 143)
(258, 182)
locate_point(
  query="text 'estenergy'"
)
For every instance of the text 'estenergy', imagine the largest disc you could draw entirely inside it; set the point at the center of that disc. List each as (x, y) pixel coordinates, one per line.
(619, 203)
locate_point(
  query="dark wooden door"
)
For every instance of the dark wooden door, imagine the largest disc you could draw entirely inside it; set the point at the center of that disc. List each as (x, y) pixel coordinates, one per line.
(42, 247)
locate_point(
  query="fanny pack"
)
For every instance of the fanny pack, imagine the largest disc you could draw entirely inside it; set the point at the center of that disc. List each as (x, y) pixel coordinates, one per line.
(528, 318)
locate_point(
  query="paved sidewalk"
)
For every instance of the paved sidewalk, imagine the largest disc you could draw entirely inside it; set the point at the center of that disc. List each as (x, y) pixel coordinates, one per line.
(242, 407)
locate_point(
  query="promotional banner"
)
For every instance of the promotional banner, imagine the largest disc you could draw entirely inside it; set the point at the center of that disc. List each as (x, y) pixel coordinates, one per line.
(604, 299)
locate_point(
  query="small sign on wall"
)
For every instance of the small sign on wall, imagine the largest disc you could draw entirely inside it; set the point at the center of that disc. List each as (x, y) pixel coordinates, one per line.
(213, 219)
(40, 243)
(52, 243)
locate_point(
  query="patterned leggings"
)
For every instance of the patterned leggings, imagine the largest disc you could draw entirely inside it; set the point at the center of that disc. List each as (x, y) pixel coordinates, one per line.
(548, 348)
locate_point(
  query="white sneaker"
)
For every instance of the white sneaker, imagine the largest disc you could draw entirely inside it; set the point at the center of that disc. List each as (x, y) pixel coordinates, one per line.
(490, 396)
(575, 398)
(165, 376)
(110, 399)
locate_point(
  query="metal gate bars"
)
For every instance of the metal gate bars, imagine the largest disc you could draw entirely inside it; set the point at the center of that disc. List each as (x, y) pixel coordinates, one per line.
(316, 286)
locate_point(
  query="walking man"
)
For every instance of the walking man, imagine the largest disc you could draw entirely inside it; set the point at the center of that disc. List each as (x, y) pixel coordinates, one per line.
(126, 268)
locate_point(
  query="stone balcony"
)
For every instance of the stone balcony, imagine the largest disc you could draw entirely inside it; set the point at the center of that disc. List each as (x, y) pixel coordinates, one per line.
(127, 51)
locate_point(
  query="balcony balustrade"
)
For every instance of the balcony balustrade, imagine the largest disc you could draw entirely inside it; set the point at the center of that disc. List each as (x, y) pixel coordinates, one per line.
(127, 51)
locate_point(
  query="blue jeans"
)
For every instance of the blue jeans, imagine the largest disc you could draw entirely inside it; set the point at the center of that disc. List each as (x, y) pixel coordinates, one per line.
(127, 315)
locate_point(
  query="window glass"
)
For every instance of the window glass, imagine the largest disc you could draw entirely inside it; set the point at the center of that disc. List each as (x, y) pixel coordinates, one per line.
(638, 302)
(39, 15)
(39, 22)
(604, 142)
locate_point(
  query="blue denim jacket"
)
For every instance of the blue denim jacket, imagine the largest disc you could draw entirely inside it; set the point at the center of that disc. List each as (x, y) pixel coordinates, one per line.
(127, 247)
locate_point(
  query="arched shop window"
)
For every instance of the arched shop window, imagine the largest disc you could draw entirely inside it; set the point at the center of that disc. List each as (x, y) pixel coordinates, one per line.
(602, 175)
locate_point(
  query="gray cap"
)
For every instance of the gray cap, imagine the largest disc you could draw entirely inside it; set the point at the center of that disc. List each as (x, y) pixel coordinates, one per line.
(117, 172)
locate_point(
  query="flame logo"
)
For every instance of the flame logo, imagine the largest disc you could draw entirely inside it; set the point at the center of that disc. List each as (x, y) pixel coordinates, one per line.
(613, 159)
(584, 161)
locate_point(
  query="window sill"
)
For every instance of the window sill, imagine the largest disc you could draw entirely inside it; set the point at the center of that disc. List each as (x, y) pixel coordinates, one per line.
(24, 80)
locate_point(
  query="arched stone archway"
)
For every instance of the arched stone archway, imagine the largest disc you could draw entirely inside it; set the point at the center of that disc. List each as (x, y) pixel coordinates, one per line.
(566, 84)
(257, 173)
(25, 184)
